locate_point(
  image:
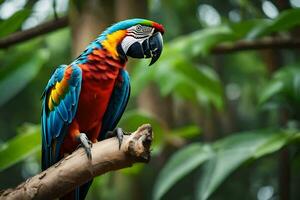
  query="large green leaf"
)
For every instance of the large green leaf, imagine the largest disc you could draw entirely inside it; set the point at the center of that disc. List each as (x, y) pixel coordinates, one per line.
(15, 77)
(13, 23)
(221, 159)
(28, 141)
(285, 21)
(180, 164)
(232, 152)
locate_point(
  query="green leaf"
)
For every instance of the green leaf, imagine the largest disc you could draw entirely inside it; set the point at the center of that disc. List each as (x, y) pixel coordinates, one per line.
(199, 42)
(27, 142)
(272, 89)
(206, 84)
(13, 23)
(183, 79)
(234, 151)
(14, 78)
(222, 158)
(285, 21)
(180, 164)
(275, 143)
(242, 29)
(285, 83)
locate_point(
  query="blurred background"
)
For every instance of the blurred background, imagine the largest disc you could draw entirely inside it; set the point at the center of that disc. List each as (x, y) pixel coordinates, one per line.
(223, 99)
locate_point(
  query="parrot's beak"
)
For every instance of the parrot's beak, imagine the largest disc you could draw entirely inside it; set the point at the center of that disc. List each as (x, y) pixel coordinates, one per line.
(156, 46)
(149, 48)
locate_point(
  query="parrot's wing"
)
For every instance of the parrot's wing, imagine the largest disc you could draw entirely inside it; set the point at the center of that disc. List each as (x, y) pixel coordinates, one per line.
(60, 100)
(117, 104)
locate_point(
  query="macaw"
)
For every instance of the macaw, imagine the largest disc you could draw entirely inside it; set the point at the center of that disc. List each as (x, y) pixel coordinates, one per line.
(84, 101)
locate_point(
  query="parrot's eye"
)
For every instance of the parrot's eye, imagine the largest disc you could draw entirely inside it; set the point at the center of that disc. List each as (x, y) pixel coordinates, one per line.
(138, 28)
(145, 30)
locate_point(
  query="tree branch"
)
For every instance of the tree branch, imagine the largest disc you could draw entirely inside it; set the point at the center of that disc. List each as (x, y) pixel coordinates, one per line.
(41, 29)
(76, 169)
(242, 45)
(263, 43)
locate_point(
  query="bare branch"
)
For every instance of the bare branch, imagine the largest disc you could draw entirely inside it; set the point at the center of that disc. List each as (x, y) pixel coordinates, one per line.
(258, 44)
(41, 29)
(76, 169)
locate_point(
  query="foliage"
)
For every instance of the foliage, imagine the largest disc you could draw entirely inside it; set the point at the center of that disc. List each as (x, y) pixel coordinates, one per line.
(180, 78)
(284, 85)
(24, 144)
(179, 165)
(235, 89)
(285, 21)
(221, 158)
(13, 23)
(185, 79)
(19, 73)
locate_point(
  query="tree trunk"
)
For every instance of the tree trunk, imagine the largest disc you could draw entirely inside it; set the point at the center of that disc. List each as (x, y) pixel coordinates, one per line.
(88, 19)
(126, 9)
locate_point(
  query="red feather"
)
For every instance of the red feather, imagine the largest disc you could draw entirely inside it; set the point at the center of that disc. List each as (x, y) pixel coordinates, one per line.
(98, 79)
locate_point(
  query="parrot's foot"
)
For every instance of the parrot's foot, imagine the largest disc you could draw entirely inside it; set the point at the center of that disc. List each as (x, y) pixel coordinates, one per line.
(86, 144)
(119, 133)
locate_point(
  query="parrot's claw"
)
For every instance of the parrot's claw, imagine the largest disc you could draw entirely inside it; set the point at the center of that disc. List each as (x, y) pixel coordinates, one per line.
(119, 133)
(86, 144)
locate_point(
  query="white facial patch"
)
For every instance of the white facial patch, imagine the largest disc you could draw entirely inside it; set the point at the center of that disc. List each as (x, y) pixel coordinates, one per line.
(128, 41)
(137, 33)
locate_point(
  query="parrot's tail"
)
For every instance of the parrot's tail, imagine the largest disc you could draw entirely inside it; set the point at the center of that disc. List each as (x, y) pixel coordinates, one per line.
(79, 193)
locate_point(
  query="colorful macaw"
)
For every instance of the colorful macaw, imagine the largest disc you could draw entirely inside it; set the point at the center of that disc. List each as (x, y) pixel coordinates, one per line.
(84, 101)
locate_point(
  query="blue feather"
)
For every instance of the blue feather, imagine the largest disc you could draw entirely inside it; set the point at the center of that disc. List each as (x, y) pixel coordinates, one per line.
(117, 104)
(54, 122)
(73, 94)
(62, 110)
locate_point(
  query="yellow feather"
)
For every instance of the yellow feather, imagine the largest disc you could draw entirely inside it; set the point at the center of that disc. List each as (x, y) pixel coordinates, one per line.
(59, 89)
(57, 92)
(55, 96)
(50, 104)
(111, 42)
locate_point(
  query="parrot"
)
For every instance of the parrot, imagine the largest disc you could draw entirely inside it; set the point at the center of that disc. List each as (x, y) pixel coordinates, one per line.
(84, 101)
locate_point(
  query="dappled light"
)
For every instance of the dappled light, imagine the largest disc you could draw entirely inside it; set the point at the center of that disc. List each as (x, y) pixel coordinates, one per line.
(269, 9)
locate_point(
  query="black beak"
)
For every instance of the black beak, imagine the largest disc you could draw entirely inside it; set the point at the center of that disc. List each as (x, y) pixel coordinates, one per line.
(150, 48)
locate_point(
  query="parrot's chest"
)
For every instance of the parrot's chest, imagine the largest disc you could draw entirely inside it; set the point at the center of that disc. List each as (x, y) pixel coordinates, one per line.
(94, 99)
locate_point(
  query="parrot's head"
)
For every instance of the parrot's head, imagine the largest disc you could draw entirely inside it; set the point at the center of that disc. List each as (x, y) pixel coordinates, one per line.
(136, 38)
